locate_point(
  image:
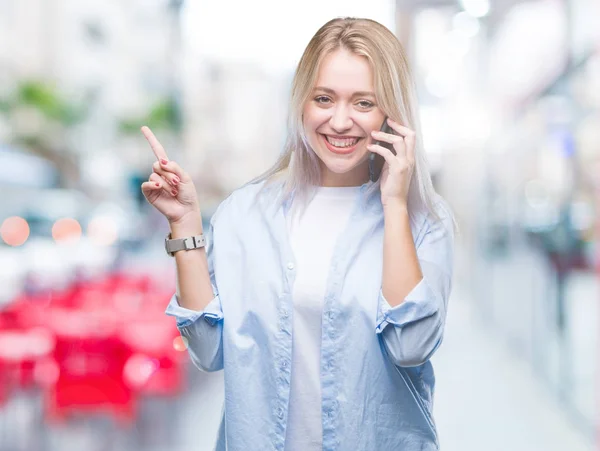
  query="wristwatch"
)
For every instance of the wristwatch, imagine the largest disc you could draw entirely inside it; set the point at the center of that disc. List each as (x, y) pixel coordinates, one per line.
(179, 244)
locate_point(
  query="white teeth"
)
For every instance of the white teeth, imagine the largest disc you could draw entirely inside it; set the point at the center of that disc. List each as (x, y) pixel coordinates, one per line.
(348, 142)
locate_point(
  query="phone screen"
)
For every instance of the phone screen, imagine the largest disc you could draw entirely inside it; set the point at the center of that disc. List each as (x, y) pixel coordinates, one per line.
(376, 161)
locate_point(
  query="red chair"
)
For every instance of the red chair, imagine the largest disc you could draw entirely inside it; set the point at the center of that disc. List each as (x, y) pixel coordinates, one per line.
(90, 358)
(107, 341)
(155, 366)
(20, 352)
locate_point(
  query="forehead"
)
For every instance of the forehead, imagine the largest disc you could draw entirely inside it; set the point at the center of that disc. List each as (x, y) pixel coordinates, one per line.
(345, 73)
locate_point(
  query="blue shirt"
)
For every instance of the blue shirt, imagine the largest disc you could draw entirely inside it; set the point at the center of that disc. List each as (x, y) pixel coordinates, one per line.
(377, 380)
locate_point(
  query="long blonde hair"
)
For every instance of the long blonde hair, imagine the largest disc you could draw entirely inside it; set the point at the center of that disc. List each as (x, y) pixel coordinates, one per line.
(298, 166)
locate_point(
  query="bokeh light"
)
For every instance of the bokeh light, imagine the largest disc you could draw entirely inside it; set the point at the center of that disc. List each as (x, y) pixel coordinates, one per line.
(138, 370)
(66, 229)
(102, 230)
(14, 231)
(180, 343)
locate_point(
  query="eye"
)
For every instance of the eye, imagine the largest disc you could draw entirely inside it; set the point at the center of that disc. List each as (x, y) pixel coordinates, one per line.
(323, 100)
(365, 104)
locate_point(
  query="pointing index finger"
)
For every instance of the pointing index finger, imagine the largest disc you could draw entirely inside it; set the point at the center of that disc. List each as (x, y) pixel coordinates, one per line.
(156, 146)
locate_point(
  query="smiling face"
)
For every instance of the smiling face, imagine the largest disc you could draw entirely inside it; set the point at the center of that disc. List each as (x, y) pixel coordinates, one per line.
(339, 117)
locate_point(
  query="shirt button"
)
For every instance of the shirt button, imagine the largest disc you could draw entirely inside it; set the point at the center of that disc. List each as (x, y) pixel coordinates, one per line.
(284, 313)
(280, 412)
(284, 364)
(290, 266)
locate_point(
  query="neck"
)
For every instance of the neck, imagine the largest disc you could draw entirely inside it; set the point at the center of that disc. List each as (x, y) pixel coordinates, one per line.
(356, 177)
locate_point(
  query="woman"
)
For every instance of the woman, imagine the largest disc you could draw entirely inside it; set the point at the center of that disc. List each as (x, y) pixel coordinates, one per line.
(322, 293)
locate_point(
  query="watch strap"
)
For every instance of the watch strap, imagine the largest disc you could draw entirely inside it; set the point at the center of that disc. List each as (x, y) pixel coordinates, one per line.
(187, 243)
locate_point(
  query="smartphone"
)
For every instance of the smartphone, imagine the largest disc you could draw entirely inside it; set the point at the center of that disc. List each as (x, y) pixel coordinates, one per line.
(376, 161)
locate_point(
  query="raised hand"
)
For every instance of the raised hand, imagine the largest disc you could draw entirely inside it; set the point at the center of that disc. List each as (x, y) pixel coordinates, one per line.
(169, 188)
(398, 169)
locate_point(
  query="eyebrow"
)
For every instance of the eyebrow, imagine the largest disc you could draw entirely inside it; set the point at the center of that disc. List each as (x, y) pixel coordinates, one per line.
(357, 93)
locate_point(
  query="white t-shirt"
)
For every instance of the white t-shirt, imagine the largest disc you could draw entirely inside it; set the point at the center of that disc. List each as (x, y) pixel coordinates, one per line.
(313, 236)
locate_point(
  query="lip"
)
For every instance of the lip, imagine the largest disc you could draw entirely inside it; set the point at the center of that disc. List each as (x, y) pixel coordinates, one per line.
(345, 150)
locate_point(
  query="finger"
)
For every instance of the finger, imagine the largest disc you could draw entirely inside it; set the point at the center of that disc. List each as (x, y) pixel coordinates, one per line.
(386, 153)
(167, 187)
(396, 141)
(174, 169)
(410, 142)
(400, 147)
(386, 137)
(156, 146)
(410, 138)
(400, 129)
(150, 186)
(170, 177)
(151, 191)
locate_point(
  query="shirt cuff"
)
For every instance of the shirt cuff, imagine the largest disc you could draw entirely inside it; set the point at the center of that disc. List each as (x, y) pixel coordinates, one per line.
(418, 304)
(212, 313)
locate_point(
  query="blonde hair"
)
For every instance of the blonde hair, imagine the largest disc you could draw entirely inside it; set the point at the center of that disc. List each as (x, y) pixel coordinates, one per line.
(298, 166)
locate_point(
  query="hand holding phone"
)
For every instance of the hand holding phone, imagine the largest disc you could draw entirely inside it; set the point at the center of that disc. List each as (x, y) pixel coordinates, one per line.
(376, 161)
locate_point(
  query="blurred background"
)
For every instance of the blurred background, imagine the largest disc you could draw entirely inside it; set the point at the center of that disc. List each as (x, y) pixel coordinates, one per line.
(509, 96)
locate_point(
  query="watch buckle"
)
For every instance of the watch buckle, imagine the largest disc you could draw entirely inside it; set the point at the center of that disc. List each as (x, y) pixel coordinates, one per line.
(186, 245)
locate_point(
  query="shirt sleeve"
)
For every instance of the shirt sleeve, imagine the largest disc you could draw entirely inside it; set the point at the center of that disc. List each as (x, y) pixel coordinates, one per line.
(203, 329)
(413, 330)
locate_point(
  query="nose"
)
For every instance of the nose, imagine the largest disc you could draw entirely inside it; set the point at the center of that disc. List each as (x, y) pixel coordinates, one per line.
(340, 120)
